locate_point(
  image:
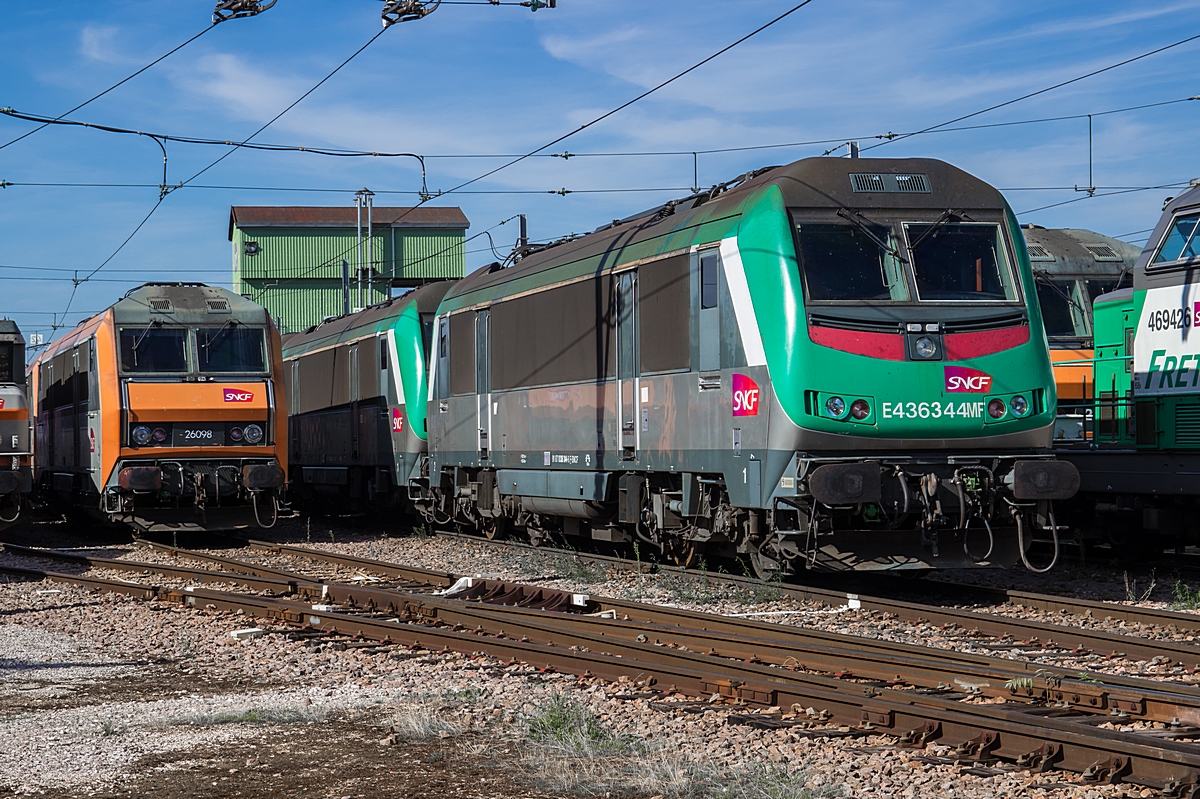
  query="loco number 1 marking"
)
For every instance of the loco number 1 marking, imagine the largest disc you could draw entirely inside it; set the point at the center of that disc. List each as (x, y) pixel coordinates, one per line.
(932, 410)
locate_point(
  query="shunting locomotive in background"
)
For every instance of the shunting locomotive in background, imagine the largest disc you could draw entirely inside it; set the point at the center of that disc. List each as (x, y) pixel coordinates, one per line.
(1138, 467)
(357, 400)
(15, 473)
(835, 364)
(165, 412)
(1072, 268)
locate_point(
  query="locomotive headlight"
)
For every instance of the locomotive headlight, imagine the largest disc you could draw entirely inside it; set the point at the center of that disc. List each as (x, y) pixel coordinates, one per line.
(159, 435)
(836, 407)
(924, 347)
(997, 408)
(253, 434)
(235, 434)
(860, 409)
(141, 435)
(1019, 405)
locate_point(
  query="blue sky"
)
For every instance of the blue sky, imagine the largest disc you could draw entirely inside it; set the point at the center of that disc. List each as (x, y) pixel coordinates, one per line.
(488, 80)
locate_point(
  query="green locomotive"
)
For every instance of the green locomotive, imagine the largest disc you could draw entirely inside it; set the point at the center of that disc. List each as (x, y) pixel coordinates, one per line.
(1139, 460)
(836, 364)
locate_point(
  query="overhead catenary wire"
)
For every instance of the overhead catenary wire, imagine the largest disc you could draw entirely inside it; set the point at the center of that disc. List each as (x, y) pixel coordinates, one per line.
(124, 80)
(163, 194)
(1088, 196)
(1038, 92)
(595, 120)
(341, 152)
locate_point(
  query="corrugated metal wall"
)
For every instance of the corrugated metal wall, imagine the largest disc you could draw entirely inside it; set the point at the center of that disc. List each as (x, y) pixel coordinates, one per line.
(297, 272)
(299, 304)
(430, 254)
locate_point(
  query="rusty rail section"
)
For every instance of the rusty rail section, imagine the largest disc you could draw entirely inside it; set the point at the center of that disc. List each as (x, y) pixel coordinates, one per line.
(1036, 738)
(970, 621)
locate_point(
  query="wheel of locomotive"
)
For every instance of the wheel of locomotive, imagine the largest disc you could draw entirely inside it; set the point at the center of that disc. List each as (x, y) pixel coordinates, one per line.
(494, 529)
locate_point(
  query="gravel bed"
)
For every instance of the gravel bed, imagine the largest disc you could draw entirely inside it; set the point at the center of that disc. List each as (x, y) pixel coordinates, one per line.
(145, 698)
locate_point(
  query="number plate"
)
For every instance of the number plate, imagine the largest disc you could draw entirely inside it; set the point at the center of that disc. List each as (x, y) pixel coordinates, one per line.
(198, 435)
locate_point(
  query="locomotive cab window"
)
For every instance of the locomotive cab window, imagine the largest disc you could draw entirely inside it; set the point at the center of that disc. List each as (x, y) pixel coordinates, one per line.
(154, 348)
(842, 262)
(960, 261)
(1063, 311)
(1182, 242)
(231, 348)
(6, 362)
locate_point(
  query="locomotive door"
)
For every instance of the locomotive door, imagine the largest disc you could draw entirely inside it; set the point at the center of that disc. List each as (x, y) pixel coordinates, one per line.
(627, 381)
(710, 320)
(483, 387)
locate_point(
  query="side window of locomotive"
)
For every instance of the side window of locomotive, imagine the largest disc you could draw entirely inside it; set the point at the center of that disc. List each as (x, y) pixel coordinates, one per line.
(1062, 309)
(960, 262)
(1182, 242)
(443, 359)
(842, 263)
(6, 362)
(462, 353)
(153, 349)
(664, 313)
(231, 348)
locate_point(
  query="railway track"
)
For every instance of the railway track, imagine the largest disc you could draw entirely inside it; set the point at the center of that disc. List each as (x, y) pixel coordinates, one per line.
(1124, 729)
(971, 622)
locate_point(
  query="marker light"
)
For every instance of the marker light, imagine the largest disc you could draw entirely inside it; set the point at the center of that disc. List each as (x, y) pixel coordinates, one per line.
(836, 407)
(253, 433)
(924, 347)
(860, 409)
(1019, 405)
(235, 434)
(159, 435)
(996, 408)
(141, 435)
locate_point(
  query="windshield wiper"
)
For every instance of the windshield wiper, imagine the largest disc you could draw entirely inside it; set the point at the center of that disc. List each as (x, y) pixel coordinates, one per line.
(949, 215)
(220, 334)
(864, 225)
(1043, 278)
(142, 337)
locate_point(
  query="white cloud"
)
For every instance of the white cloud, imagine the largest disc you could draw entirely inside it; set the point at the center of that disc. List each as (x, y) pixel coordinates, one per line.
(99, 43)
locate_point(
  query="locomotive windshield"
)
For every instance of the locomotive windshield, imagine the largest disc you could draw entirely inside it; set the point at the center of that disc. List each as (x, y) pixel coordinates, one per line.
(231, 348)
(1062, 311)
(6, 362)
(845, 262)
(1182, 242)
(154, 349)
(960, 261)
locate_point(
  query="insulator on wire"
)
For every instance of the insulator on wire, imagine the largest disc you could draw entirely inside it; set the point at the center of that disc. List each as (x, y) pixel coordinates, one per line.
(234, 9)
(407, 10)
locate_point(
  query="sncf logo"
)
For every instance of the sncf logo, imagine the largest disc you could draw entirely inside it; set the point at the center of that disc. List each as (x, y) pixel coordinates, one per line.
(963, 379)
(236, 395)
(397, 420)
(745, 396)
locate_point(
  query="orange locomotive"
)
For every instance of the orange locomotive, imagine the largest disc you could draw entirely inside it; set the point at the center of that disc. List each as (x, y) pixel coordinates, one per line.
(165, 411)
(14, 425)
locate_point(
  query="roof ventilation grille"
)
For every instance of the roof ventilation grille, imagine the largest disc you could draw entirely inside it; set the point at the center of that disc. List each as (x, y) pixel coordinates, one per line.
(912, 183)
(877, 182)
(1102, 252)
(161, 305)
(1039, 253)
(217, 305)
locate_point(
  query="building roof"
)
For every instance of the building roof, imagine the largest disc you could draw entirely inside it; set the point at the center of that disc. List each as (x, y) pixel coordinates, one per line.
(299, 216)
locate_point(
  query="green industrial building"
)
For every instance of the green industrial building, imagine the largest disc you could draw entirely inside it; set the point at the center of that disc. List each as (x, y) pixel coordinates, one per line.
(290, 258)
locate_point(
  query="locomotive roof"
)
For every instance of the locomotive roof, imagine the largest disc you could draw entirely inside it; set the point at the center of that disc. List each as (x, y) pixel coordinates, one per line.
(373, 318)
(825, 183)
(1185, 200)
(1074, 251)
(10, 333)
(185, 303)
